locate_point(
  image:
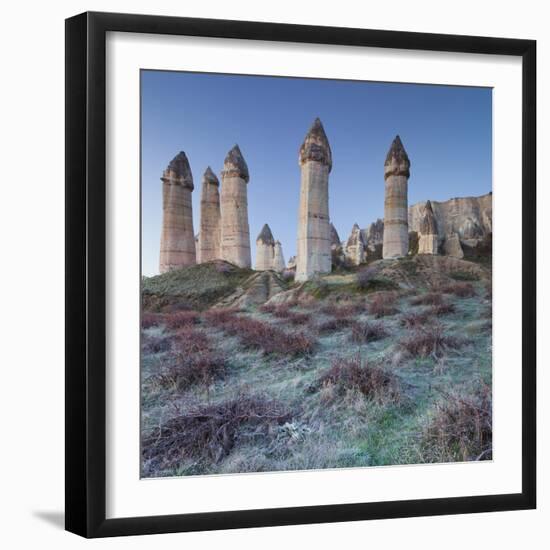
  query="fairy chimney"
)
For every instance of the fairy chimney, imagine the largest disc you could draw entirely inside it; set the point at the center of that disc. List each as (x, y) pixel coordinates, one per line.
(428, 237)
(313, 246)
(355, 246)
(334, 237)
(278, 258)
(265, 249)
(235, 233)
(396, 226)
(177, 243)
(209, 236)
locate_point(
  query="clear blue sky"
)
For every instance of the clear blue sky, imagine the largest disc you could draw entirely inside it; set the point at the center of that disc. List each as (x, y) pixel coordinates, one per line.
(447, 132)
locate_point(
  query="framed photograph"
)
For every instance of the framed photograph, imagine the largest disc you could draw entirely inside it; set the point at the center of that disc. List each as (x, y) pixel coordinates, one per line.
(300, 274)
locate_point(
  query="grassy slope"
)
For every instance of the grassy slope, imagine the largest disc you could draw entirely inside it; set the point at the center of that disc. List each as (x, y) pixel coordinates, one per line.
(330, 431)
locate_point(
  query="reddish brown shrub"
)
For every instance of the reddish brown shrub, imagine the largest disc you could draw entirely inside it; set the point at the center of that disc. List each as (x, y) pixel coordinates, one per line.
(431, 340)
(255, 334)
(428, 299)
(361, 333)
(415, 319)
(462, 290)
(200, 367)
(181, 319)
(218, 317)
(155, 344)
(348, 310)
(149, 319)
(442, 309)
(210, 431)
(334, 325)
(189, 340)
(354, 374)
(383, 304)
(460, 428)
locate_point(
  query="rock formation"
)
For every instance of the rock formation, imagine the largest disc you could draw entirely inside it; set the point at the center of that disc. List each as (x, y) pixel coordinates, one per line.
(265, 249)
(291, 264)
(452, 246)
(313, 246)
(177, 243)
(209, 235)
(235, 233)
(334, 238)
(396, 175)
(278, 258)
(470, 217)
(374, 234)
(427, 232)
(355, 247)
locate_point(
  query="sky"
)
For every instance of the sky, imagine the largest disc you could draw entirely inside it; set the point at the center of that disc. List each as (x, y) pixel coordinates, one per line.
(446, 130)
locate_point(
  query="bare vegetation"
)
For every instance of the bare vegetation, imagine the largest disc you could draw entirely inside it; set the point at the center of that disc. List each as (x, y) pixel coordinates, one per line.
(428, 299)
(362, 333)
(210, 431)
(459, 428)
(462, 290)
(383, 304)
(355, 374)
(426, 341)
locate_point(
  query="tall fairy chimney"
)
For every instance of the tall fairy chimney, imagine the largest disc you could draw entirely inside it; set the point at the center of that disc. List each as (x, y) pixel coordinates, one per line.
(313, 247)
(177, 243)
(209, 236)
(278, 258)
(396, 224)
(235, 233)
(265, 249)
(428, 238)
(355, 246)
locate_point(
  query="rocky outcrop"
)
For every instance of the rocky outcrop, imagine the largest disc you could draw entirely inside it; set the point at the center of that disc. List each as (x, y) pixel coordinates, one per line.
(314, 240)
(235, 232)
(265, 249)
(355, 247)
(256, 290)
(177, 242)
(209, 234)
(452, 246)
(278, 258)
(396, 175)
(291, 265)
(374, 234)
(471, 218)
(427, 232)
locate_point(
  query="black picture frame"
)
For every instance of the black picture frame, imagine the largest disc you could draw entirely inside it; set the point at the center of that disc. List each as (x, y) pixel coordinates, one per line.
(86, 274)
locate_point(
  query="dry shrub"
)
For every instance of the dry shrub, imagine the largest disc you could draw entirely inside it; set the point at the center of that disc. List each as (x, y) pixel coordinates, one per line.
(415, 319)
(460, 428)
(219, 317)
(185, 370)
(149, 319)
(428, 299)
(295, 318)
(155, 344)
(423, 342)
(362, 333)
(334, 325)
(210, 431)
(462, 290)
(355, 374)
(383, 304)
(442, 309)
(180, 319)
(348, 310)
(365, 277)
(255, 334)
(268, 308)
(189, 340)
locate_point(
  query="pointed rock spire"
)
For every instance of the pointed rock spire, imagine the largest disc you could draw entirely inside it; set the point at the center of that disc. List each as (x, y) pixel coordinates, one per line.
(210, 177)
(265, 235)
(316, 146)
(179, 170)
(397, 161)
(235, 165)
(356, 236)
(428, 224)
